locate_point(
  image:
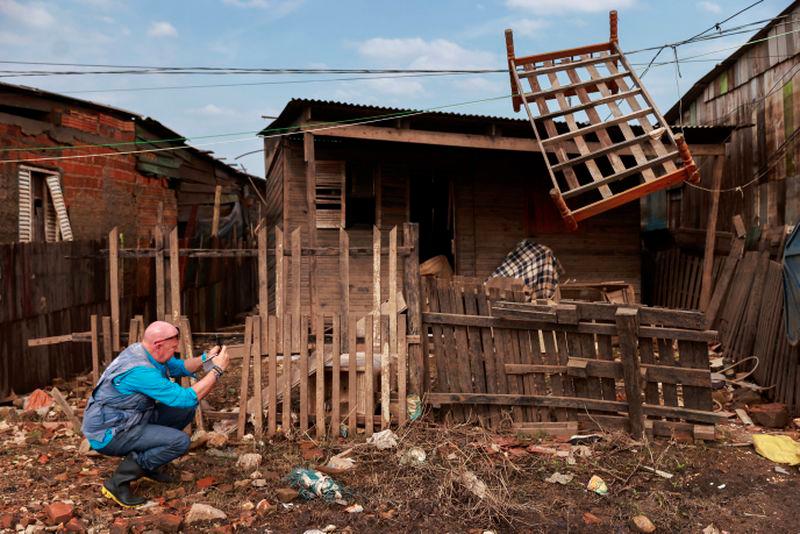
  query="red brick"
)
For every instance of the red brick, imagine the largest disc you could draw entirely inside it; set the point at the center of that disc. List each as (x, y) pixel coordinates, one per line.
(7, 520)
(75, 525)
(772, 415)
(58, 512)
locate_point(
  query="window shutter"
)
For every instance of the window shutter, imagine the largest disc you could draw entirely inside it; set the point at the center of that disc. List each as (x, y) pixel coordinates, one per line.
(25, 206)
(330, 194)
(61, 209)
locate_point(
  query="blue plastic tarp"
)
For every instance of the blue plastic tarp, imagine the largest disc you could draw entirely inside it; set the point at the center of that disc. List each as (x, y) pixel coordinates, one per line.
(791, 286)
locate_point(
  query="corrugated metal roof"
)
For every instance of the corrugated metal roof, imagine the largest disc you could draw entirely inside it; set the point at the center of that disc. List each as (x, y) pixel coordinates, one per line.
(287, 116)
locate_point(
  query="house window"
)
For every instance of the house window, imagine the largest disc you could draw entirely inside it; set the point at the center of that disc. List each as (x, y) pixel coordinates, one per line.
(360, 197)
(330, 197)
(42, 213)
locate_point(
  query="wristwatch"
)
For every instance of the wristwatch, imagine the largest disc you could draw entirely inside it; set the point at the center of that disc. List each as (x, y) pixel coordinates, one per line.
(217, 369)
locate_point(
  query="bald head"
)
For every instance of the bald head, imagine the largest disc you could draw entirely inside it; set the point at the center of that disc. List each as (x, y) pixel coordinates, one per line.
(158, 331)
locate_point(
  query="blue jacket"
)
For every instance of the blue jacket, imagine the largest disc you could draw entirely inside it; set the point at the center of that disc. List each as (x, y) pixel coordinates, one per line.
(127, 392)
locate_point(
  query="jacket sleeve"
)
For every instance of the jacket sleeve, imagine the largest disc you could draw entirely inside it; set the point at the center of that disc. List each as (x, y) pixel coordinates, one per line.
(177, 368)
(150, 382)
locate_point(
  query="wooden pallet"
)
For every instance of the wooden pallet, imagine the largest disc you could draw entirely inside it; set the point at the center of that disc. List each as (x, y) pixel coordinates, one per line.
(601, 100)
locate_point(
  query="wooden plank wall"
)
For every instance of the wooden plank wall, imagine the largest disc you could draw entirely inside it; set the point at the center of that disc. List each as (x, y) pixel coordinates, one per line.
(761, 91)
(49, 289)
(677, 278)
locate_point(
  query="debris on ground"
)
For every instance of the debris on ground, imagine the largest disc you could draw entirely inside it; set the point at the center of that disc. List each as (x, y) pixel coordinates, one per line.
(559, 478)
(249, 462)
(597, 485)
(203, 512)
(311, 484)
(414, 456)
(354, 509)
(413, 407)
(771, 415)
(779, 449)
(643, 524)
(385, 439)
(472, 483)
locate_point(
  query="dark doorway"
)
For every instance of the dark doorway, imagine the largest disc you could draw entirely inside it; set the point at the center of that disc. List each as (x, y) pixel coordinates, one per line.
(430, 207)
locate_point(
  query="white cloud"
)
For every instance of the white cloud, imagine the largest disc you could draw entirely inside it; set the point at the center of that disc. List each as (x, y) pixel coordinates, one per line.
(29, 14)
(558, 7)
(277, 7)
(209, 110)
(417, 53)
(711, 7)
(529, 27)
(396, 86)
(162, 29)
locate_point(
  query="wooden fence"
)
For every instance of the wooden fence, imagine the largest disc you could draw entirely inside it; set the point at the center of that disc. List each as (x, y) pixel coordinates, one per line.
(323, 375)
(545, 364)
(747, 308)
(677, 279)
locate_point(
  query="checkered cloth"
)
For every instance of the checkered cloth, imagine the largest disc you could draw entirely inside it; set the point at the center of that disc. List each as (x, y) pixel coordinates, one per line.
(536, 265)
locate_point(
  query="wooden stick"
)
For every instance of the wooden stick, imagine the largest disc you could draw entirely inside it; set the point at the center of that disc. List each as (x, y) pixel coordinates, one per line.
(113, 281)
(245, 382)
(258, 384)
(336, 374)
(627, 323)
(304, 374)
(402, 369)
(272, 375)
(263, 288)
(286, 420)
(297, 266)
(417, 359)
(62, 403)
(344, 286)
(186, 337)
(369, 375)
(95, 349)
(711, 232)
(280, 280)
(215, 214)
(159, 259)
(393, 293)
(385, 374)
(376, 280)
(107, 340)
(174, 276)
(320, 376)
(352, 376)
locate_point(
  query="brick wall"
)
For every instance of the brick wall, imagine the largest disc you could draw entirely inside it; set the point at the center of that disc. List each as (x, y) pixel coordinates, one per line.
(100, 192)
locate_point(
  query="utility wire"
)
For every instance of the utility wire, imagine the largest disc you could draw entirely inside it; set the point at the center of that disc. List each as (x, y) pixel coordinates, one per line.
(275, 132)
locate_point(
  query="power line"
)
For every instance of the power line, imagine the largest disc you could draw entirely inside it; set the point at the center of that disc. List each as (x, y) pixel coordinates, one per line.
(280, 133)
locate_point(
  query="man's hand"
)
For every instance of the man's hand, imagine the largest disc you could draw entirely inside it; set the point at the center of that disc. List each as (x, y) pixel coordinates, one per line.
(213, 352)
(223, 359)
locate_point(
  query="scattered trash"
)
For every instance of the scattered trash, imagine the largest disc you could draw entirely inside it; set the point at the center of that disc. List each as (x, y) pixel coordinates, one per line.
(203, 512)
(216, 440)
(414, 407)
(779, 449)
(385, 439)
(312, 483)
(597, 485)
(341, 462)
(413, 456)
(475, 485)
(286, 495)
(558, 478)
(722, 486)
(582, 451)
(249, 462)
(643, 524)
(711, 529)
(781, 470)
(583, 439)
(354, 509)
(659, 472)
(344, 430)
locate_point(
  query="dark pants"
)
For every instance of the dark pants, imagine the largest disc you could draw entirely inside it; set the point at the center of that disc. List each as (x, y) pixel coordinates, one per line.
(156, 442)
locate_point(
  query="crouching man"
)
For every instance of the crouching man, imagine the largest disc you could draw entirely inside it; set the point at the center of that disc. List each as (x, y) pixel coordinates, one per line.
(137, 412)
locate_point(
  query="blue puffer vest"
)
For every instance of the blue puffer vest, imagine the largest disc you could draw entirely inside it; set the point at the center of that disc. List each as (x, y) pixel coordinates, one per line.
(110, 409)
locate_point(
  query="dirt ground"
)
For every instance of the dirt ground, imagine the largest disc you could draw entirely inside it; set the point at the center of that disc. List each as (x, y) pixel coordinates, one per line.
(724, 484)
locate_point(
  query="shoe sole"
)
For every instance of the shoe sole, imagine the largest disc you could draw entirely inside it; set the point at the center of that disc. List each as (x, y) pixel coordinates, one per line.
(108, 494)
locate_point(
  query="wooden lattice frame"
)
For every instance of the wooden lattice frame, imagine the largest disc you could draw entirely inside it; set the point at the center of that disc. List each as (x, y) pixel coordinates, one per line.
(583, 169)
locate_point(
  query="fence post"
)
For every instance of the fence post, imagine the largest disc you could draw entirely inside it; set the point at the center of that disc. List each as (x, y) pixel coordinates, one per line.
(628, 331)
(113, 280)
(417, 361)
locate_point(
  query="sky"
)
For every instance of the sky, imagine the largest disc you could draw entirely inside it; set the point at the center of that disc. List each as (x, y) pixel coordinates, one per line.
(411, 34)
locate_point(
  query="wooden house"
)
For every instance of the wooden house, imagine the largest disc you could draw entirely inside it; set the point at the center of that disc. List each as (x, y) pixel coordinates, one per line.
(50, 190)
(755, 92)
(476, 185)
